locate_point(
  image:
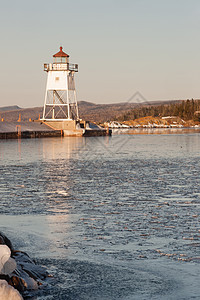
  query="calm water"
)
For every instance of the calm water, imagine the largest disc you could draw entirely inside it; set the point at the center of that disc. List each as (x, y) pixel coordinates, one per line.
(111, 217)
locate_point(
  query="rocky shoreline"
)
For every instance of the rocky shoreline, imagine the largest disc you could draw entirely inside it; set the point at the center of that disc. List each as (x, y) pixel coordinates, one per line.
(18, 272)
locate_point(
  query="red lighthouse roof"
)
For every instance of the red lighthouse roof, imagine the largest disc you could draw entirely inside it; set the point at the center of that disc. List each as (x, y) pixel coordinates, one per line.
(61, 54)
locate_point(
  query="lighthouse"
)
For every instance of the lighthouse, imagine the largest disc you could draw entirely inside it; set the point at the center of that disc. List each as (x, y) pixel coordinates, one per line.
(60, 102)
(60, 106)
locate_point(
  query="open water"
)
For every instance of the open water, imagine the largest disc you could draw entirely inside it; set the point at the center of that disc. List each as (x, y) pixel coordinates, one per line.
(110, 217)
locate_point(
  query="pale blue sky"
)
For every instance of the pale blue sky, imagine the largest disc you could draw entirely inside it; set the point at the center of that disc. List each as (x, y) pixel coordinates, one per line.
(151, 46)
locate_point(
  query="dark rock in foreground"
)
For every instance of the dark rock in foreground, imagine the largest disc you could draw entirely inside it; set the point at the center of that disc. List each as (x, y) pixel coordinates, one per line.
(27, 275)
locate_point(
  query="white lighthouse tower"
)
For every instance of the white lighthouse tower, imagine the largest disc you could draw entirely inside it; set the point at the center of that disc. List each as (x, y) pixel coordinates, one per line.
(60, 98)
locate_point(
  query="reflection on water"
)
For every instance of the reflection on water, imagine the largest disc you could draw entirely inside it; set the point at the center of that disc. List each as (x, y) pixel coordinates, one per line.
(36, 149)
(138, 142)
(96, 210)
(66, 148)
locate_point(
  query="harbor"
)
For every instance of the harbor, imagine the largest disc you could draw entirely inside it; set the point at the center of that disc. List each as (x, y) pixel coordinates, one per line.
(99, 150)
(119, 218)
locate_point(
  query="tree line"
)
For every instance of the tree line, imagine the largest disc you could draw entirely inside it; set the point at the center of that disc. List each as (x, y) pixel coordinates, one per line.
(186, 109)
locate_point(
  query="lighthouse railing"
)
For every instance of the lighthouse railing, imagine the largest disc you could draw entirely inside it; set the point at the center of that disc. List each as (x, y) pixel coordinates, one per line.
(61, 67)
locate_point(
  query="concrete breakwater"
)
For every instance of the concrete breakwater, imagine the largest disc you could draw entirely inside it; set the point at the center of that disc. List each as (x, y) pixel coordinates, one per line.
(23, 129)
(15, 130)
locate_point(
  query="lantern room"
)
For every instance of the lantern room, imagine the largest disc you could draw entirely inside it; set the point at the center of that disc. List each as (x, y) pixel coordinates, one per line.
(61, 57)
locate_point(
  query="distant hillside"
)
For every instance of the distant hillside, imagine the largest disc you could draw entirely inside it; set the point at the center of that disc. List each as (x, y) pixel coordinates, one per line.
(96, 112)
(13, 107)
(25, 113)
(103, 112)
(87, 111)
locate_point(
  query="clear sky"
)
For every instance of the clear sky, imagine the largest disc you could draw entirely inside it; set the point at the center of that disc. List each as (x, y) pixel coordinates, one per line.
(121, 46)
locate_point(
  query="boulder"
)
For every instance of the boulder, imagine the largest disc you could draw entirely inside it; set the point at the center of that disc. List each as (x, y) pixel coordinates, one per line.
(18, 269)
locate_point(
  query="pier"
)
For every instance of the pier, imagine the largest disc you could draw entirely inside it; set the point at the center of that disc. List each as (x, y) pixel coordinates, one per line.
(15, 130)
(36, 129)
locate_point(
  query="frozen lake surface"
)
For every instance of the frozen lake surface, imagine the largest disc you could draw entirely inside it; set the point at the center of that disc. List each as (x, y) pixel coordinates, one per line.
(110, 217)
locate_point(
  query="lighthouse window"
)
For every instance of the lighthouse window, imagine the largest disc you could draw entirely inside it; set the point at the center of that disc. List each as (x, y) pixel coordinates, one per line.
(63, 59)
(57, 78)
